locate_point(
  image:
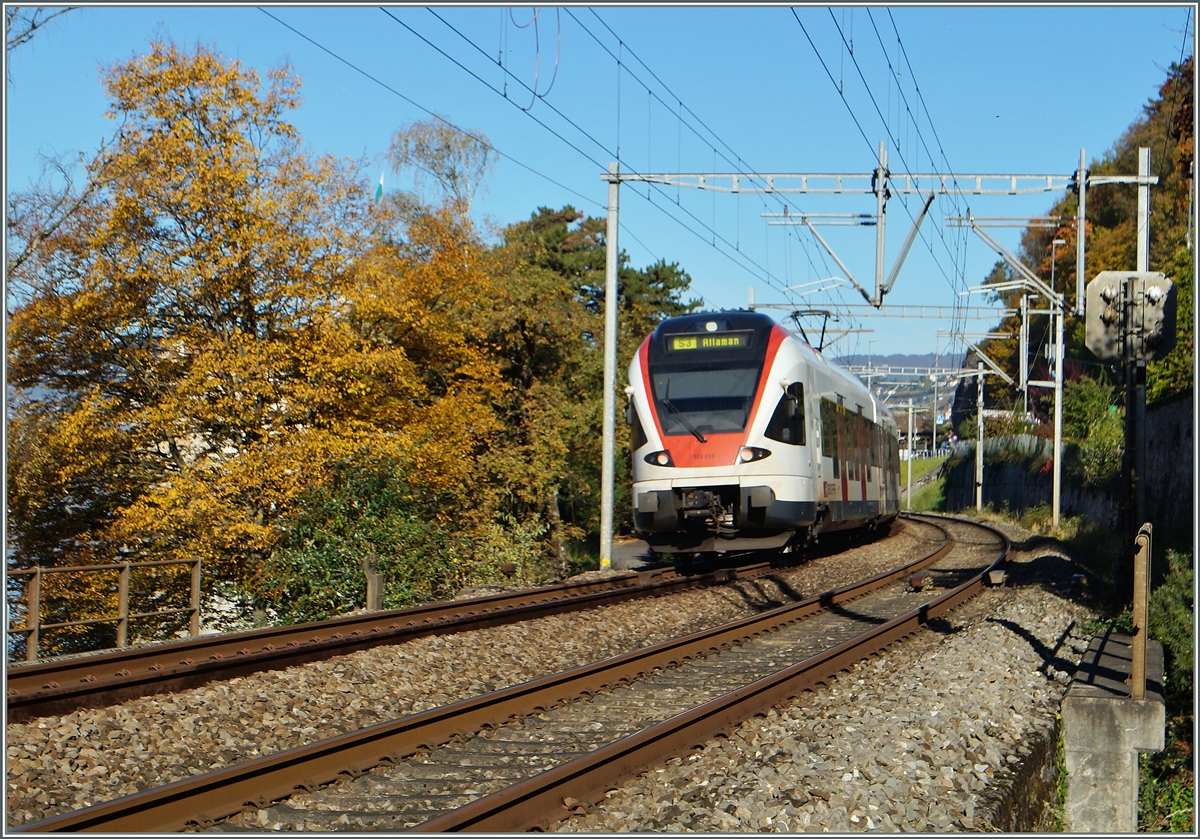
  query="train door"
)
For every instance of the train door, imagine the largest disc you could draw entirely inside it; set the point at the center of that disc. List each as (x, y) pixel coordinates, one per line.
(830, 451)
(843, 427)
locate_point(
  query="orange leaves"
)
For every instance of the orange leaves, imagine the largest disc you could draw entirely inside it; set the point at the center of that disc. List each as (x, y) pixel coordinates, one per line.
(236, 325)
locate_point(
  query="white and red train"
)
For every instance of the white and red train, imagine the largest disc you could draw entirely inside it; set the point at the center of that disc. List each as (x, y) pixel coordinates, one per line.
(744, 437)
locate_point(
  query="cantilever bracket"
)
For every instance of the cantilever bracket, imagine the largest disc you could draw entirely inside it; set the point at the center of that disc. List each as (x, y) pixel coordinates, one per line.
(841, 264)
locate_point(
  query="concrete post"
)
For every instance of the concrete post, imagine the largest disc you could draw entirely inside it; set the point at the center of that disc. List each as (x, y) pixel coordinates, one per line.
(881, 174)
(611, 290)
(933, 444)
(908, 503)
(979, 448)
(1103, 730)
(1058, 313)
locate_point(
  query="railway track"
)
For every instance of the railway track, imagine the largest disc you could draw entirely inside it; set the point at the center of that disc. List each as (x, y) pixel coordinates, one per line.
(519, 757)
(93, 680)
(58, 686)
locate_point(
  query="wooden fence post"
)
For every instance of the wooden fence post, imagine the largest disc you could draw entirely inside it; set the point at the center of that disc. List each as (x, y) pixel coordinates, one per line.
(123, 605)
(33, 600)
(194, 620)
(374, 584)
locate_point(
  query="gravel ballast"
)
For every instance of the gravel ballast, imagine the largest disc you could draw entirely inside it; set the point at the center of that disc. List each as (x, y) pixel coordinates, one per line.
(910, 740)
(876, 742)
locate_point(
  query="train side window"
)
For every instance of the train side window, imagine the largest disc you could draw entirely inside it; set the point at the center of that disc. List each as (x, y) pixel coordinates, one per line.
(787, 423)
(829, 430)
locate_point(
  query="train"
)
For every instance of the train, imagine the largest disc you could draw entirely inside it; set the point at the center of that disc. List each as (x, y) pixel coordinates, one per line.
(746, 438)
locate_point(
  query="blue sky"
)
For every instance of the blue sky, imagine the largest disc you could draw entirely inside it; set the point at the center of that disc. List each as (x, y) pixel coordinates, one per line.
(1013, 90)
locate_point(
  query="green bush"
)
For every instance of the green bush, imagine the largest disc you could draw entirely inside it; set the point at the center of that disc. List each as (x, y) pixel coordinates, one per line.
(365, 510)
(512, 543)
(1171, 619)
(1100, 452)
(1092, 420)
(1166, 795)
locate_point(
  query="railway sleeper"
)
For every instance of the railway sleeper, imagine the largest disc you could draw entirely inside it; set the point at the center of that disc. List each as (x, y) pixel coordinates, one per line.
(514, 747)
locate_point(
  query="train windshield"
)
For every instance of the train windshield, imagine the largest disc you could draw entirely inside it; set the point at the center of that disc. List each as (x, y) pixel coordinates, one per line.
(704, 401)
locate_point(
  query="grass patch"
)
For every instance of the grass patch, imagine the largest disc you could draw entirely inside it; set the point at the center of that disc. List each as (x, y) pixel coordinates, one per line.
(1056, 821)
(930, 498)
(920, 467)
(582, 555)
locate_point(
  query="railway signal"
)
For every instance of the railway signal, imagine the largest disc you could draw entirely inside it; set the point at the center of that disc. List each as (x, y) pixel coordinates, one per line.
(1130, 316)
(1131, 319)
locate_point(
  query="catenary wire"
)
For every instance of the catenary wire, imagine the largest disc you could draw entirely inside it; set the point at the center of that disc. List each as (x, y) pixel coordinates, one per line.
(765, 274)
(739, 164)
(487, 144)
(483, 142)
(867, 140)
(888, 129)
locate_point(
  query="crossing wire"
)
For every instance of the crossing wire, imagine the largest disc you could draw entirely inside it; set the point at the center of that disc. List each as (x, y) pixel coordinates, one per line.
(895, 143)
(739, 164)
(765, 272)
(482, 141)
(866, 139)
(957, 322)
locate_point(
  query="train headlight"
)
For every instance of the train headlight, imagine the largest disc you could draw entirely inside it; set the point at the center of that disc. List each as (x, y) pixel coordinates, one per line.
(749, 454)
(662, 458)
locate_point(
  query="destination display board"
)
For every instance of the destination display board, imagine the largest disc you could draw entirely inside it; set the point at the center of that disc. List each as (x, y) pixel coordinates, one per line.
(700, 341)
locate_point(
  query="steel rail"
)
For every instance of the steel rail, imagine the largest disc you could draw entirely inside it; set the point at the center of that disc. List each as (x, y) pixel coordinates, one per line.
(63, 685)
(215, 795)
(540, 799)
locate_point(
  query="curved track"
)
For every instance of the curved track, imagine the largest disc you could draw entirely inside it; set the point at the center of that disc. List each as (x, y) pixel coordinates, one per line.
(462, 767)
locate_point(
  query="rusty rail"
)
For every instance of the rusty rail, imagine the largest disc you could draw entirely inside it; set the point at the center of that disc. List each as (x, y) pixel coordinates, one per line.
(224, 792)
(63, 685)
(540, 800)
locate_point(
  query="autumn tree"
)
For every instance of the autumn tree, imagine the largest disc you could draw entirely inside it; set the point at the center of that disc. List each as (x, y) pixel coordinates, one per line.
(194, 345)
(1166, 127)
(456, 161)
(551, 342)
(227, 351)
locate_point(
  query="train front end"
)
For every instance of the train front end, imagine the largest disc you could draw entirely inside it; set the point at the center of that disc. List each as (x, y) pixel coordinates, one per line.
(720, 459)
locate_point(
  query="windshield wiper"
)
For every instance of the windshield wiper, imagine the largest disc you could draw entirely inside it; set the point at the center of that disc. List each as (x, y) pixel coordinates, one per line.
(682, 418)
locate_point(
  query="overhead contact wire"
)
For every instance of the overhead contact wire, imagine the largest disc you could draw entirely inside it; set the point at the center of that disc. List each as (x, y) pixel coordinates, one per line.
(765, 275)
(483, 142)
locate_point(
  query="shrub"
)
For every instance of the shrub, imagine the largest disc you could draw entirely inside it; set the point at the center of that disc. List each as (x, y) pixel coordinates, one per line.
(1100, 452)
(1171, 619)
(365, 510)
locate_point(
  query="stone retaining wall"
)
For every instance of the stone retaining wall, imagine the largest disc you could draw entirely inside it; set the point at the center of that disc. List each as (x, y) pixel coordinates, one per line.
(1170, 435)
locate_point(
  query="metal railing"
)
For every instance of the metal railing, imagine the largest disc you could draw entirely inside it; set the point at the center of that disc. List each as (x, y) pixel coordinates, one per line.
(34, 627)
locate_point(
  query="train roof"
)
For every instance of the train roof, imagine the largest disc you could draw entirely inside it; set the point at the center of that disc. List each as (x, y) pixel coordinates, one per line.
(737, 319)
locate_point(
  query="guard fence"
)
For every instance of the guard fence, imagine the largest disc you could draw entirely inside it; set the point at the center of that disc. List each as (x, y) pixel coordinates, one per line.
(32, 602)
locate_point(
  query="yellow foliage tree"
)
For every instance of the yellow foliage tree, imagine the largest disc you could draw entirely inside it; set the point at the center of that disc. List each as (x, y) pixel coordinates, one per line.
(221, 320)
